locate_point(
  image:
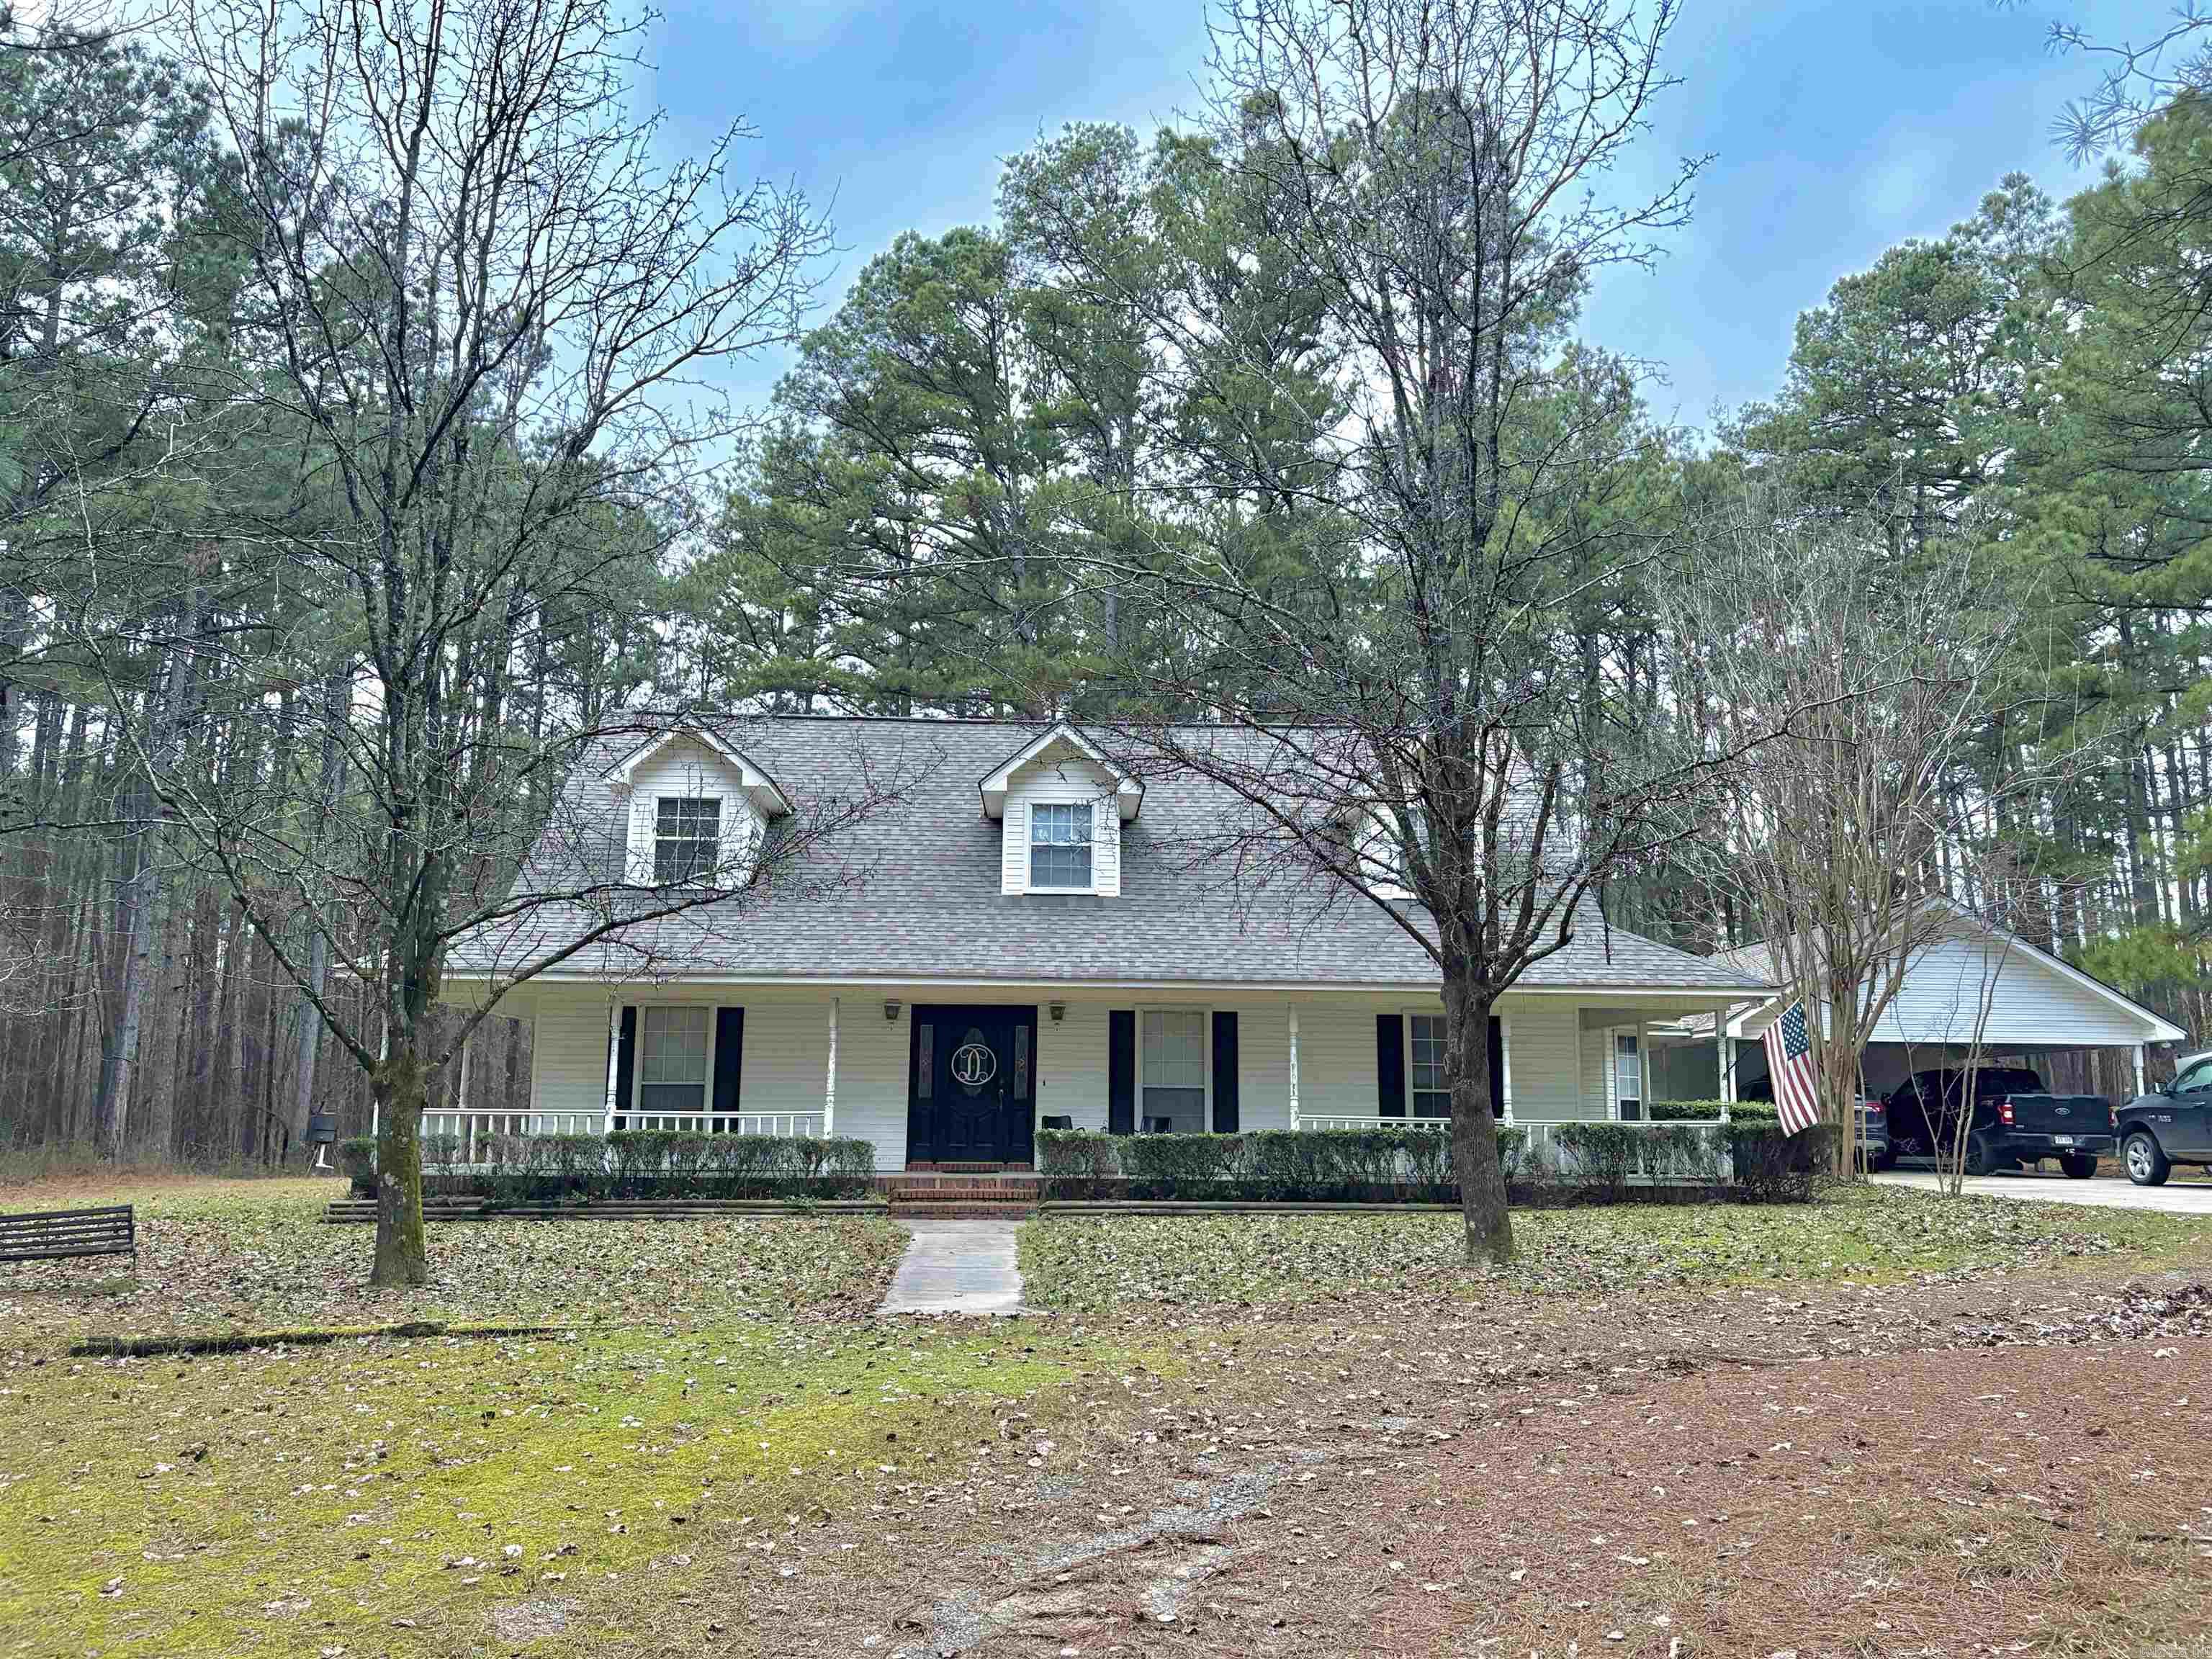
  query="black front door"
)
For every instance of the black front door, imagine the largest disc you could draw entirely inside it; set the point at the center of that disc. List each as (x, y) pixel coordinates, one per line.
(969, 1089)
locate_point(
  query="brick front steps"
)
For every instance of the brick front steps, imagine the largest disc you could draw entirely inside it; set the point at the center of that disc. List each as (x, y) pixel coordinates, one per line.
(982, 1193)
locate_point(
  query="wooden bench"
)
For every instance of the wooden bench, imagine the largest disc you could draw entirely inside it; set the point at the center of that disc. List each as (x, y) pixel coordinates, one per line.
(52, 1234)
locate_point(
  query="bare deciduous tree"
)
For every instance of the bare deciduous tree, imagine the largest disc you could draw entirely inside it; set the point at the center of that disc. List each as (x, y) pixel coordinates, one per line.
(1410, 717)
(485, 313)
(1848, 684)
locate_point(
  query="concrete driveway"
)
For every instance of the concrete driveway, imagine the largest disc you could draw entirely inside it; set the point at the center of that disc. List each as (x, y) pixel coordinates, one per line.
(2179, 1196)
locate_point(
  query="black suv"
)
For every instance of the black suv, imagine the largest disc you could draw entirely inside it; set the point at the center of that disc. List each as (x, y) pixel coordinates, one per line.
(2014, 1120)
(2171, 1126)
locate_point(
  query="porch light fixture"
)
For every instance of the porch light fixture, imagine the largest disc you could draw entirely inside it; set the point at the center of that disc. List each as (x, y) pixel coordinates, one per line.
(890, 1009)
(1057, 1009)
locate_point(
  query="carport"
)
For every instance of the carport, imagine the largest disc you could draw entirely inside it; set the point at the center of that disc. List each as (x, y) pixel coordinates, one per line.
(2028, 1006)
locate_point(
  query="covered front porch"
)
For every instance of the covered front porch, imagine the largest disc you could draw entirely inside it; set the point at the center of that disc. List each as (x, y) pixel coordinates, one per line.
(934, 1075)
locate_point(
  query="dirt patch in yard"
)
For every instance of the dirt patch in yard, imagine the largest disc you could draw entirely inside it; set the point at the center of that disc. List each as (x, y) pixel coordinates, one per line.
(1719, 1474)
(1912, 1503)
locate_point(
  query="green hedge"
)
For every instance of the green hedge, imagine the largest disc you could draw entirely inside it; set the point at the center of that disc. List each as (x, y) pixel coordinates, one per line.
(1709, 1111)
(1314, 1165)
(635, 1163)
(1771, 1167)
(1598, 1161)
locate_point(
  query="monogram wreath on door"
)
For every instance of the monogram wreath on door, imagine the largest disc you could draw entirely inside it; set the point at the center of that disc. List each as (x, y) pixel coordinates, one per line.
(972, 1064)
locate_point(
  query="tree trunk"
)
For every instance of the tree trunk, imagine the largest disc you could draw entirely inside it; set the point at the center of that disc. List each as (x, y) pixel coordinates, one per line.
(403, 1261)
(1489, 1227)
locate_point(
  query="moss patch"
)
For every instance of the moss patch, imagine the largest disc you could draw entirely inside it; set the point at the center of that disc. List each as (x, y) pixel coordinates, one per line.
(1867, 1234)
(255, 1254)
(383, 1496)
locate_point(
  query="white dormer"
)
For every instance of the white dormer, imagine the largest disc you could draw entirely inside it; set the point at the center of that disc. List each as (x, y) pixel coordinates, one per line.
(698, 811)
(1062, 805)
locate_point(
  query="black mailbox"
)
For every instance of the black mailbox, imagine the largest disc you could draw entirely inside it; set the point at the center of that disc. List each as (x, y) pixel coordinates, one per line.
(322, 1128)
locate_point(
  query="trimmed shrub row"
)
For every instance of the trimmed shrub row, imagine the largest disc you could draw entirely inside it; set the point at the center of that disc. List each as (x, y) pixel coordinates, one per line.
(632, 1164)
(1598, 1161)
(1414, 1164)
(1709, 1111)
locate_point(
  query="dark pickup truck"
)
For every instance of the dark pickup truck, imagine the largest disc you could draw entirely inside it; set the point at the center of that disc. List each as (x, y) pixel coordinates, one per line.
(2014, 1120)
(2171, 1126)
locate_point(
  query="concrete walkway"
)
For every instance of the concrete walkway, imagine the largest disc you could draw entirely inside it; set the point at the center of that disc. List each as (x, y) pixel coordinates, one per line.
(2177, 1197)
(956, 1266)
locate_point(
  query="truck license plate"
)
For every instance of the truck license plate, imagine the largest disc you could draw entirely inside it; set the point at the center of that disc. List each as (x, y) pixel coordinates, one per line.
(2063, 1140)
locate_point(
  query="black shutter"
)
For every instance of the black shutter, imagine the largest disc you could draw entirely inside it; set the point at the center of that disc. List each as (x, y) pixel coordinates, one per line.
(625, 1061)
(1497, 1068)
(1224, 1073)
(729, 1057)
(1122, 1072)
(1390, 1064)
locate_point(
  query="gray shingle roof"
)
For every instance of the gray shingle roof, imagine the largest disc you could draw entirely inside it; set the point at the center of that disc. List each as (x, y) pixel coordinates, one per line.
(910, 890)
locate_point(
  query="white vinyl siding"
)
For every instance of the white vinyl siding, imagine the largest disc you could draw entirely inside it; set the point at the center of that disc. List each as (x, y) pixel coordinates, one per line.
(1546, 1063)
(569, 1051)
(1062, 777)
(1336, 1060)
(1558, 1071)
(1071, 1063)
(871, 1070)
(682, 770)
(2029, 1003)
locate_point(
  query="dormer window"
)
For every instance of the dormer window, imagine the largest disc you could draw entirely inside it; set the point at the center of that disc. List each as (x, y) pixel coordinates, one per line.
(1061, 802)
(687, 839)
(1059, 844)
(695, 812)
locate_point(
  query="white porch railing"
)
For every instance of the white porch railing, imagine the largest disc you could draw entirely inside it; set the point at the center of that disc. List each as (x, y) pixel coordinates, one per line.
(475, 1130)
(1370, 1121)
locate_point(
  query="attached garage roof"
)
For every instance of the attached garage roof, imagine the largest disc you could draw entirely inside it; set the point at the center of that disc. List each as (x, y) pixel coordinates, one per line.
(2035, 1000)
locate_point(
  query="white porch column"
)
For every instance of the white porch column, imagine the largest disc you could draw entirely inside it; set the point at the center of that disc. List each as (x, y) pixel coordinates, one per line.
(1724, 1060)
(2139, 1069)
(614, 1051)
(1505, 1065)
(1294, 1066)
(830, 1084)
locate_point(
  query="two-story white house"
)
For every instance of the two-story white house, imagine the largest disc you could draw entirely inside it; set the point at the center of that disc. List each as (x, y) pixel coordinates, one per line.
(1018, 934)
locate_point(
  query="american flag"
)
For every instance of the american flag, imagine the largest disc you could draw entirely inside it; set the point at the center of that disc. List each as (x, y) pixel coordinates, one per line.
(1790, 1064)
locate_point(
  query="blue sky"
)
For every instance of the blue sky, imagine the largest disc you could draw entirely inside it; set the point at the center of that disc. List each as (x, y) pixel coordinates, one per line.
(1837, 129)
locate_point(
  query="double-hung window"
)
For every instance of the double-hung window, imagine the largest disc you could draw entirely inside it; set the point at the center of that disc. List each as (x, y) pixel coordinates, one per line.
(1429, 1077)
(1628, 1077)
(671, 1061)
(1172, 1070)
(687, 840)
(1059, 844)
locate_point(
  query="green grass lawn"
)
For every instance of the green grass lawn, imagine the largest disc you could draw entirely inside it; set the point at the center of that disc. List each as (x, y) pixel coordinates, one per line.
(255, 1254)
(395, 1496)
(722, 1454)
(1870, 1234)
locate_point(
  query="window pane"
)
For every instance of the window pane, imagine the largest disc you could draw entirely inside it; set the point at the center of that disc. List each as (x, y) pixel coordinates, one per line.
(673, 1046)
(1427, 1031)
(1059, 844)
(1628, 1077)
(1175, 1049)
(686, 838)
